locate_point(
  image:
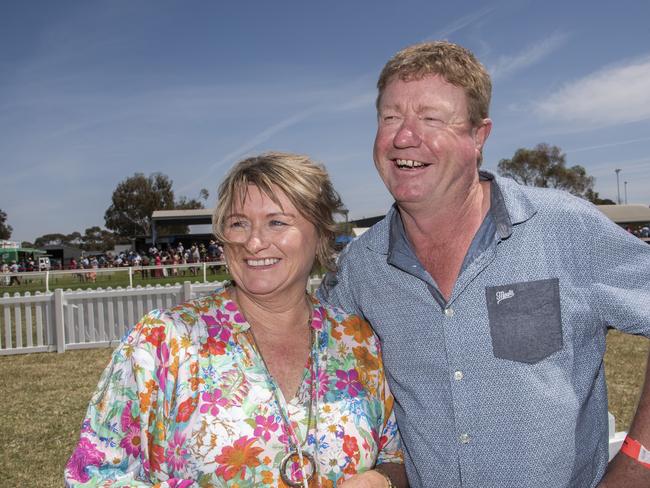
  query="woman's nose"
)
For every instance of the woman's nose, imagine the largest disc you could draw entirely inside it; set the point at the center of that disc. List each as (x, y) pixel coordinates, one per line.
(256, 241)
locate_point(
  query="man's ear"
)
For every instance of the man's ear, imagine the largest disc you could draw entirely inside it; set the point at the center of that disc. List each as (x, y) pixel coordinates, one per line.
(481, 133)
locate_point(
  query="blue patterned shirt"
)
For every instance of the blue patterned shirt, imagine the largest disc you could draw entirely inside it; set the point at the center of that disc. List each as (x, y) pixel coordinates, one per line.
(502, 385)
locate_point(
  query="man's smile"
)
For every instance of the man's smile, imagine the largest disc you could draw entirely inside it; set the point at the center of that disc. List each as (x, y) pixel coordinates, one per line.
(409, 163)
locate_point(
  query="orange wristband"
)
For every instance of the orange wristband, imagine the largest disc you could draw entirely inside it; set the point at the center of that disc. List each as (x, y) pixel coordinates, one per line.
(636, 451)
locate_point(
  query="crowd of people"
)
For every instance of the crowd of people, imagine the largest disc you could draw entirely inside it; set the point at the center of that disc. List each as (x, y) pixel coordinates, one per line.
(163, 256)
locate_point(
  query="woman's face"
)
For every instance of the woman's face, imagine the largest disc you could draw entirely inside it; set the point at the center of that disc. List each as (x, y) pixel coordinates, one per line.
(273, 246)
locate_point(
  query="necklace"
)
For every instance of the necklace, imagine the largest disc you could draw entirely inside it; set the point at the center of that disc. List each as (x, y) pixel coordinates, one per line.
(296, 454)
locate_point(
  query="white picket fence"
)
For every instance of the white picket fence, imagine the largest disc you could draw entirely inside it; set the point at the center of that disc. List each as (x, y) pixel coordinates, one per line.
(48, 322)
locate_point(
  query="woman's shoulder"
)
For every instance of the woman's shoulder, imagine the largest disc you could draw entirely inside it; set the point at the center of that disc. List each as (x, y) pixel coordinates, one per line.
(187, 320)
(348, 327)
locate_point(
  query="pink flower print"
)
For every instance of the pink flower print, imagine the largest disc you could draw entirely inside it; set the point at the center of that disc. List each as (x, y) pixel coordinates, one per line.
(132, 441)
(265, 425)
(217, 327)
(212, 402)
(162, 353)
(176, 453)
(86, 454)
(317, 319)
(131, 428)
(296, 472)
(322, 383)
(178, 483)
(238, 317)
(349, 381)
(284, 437)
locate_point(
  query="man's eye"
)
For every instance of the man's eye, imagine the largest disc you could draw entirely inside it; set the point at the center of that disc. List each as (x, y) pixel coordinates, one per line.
(433, 121)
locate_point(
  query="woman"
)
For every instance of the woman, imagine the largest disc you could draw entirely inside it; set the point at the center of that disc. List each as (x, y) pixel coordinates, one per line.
(258, 384)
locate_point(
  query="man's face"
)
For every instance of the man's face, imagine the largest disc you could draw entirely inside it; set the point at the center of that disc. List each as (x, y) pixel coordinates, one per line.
(426, 149)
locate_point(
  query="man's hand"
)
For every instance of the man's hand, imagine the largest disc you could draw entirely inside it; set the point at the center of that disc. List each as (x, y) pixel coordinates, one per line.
(623, 471)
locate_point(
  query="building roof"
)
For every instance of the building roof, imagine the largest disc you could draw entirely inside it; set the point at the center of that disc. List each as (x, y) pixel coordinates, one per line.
(626, 214)
(196, 216)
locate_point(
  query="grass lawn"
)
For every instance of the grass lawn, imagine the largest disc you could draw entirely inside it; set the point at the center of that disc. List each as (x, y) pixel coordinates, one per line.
(45, 398)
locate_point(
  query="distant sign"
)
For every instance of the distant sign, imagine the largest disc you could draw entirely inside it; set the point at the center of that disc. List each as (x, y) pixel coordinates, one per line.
(4, 244)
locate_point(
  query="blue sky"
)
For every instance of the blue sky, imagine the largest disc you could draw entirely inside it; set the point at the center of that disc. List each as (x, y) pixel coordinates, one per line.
(92, 92)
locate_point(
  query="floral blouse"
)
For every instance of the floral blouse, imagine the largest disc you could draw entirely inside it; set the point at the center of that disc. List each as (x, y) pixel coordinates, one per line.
(187, 402)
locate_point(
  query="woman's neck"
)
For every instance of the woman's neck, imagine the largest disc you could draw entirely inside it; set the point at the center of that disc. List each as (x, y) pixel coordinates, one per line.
(272, 315)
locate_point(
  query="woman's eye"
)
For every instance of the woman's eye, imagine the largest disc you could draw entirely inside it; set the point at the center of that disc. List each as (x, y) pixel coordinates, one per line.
(236, 224)
(277, 223)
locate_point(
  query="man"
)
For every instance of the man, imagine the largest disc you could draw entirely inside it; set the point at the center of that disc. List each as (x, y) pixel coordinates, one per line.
(492, 300)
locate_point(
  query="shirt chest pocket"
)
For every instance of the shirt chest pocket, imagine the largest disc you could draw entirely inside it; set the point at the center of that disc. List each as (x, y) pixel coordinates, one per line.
(525, 320)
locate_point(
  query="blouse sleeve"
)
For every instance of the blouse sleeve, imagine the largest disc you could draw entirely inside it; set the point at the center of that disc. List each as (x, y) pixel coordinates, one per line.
(390, 443)
(122, 440)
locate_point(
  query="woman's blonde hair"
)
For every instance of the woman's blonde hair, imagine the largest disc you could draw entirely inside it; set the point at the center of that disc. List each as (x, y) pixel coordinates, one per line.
(304, 182)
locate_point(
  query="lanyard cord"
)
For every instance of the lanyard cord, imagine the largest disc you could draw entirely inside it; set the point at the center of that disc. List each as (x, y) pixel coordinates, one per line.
(294, 440)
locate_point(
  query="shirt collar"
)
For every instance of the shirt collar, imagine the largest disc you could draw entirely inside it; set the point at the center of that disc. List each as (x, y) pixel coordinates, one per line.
(509, 206)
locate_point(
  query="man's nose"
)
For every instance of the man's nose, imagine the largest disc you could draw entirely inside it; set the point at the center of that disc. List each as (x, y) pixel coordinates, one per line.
(406, 136)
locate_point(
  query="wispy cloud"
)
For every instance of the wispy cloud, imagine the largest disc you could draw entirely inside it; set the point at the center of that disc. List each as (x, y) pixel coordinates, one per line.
(255, 141)
(612, 96)
(461, 23)
(354, 102)
(506, 66)
(609, 144)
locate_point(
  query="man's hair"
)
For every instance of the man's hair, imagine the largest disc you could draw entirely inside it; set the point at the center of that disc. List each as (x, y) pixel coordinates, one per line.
(304, 182)
(454, 63)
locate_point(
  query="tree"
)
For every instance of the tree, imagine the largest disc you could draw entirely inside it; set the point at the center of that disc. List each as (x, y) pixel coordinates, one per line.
(54, 239)
(98, 239)
(93, 239)
(135, 199)
(545, 166)
(5, 229)
(594, 198)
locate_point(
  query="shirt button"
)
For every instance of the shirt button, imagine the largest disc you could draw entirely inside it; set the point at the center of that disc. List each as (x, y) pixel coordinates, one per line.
(449, 312)
(458, 375)
(464, 438)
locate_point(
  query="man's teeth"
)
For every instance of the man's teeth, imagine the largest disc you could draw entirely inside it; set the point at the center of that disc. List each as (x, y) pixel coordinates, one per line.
(262, 262)
(408, 163)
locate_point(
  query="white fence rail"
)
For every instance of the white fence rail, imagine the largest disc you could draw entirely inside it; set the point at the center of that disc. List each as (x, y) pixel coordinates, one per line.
(198, 270)
(48, 322)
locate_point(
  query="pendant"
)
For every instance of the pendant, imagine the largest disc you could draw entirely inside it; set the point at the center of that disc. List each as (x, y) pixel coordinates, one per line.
(285, 463)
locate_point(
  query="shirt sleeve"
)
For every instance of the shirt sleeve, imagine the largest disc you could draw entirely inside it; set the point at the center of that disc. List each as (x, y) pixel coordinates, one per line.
(336, 289)
(122, 440)
(620, 268)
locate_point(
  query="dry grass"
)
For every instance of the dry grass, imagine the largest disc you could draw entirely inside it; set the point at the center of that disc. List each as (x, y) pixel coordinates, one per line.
(45, 396)
(625, 363)
(44, 399)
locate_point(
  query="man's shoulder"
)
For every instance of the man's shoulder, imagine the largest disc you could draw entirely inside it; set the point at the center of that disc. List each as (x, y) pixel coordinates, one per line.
(375, 238)
(546, 201)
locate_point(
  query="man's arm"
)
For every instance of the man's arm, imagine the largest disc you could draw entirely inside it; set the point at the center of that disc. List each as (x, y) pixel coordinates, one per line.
(336, 288)
(623, 471)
